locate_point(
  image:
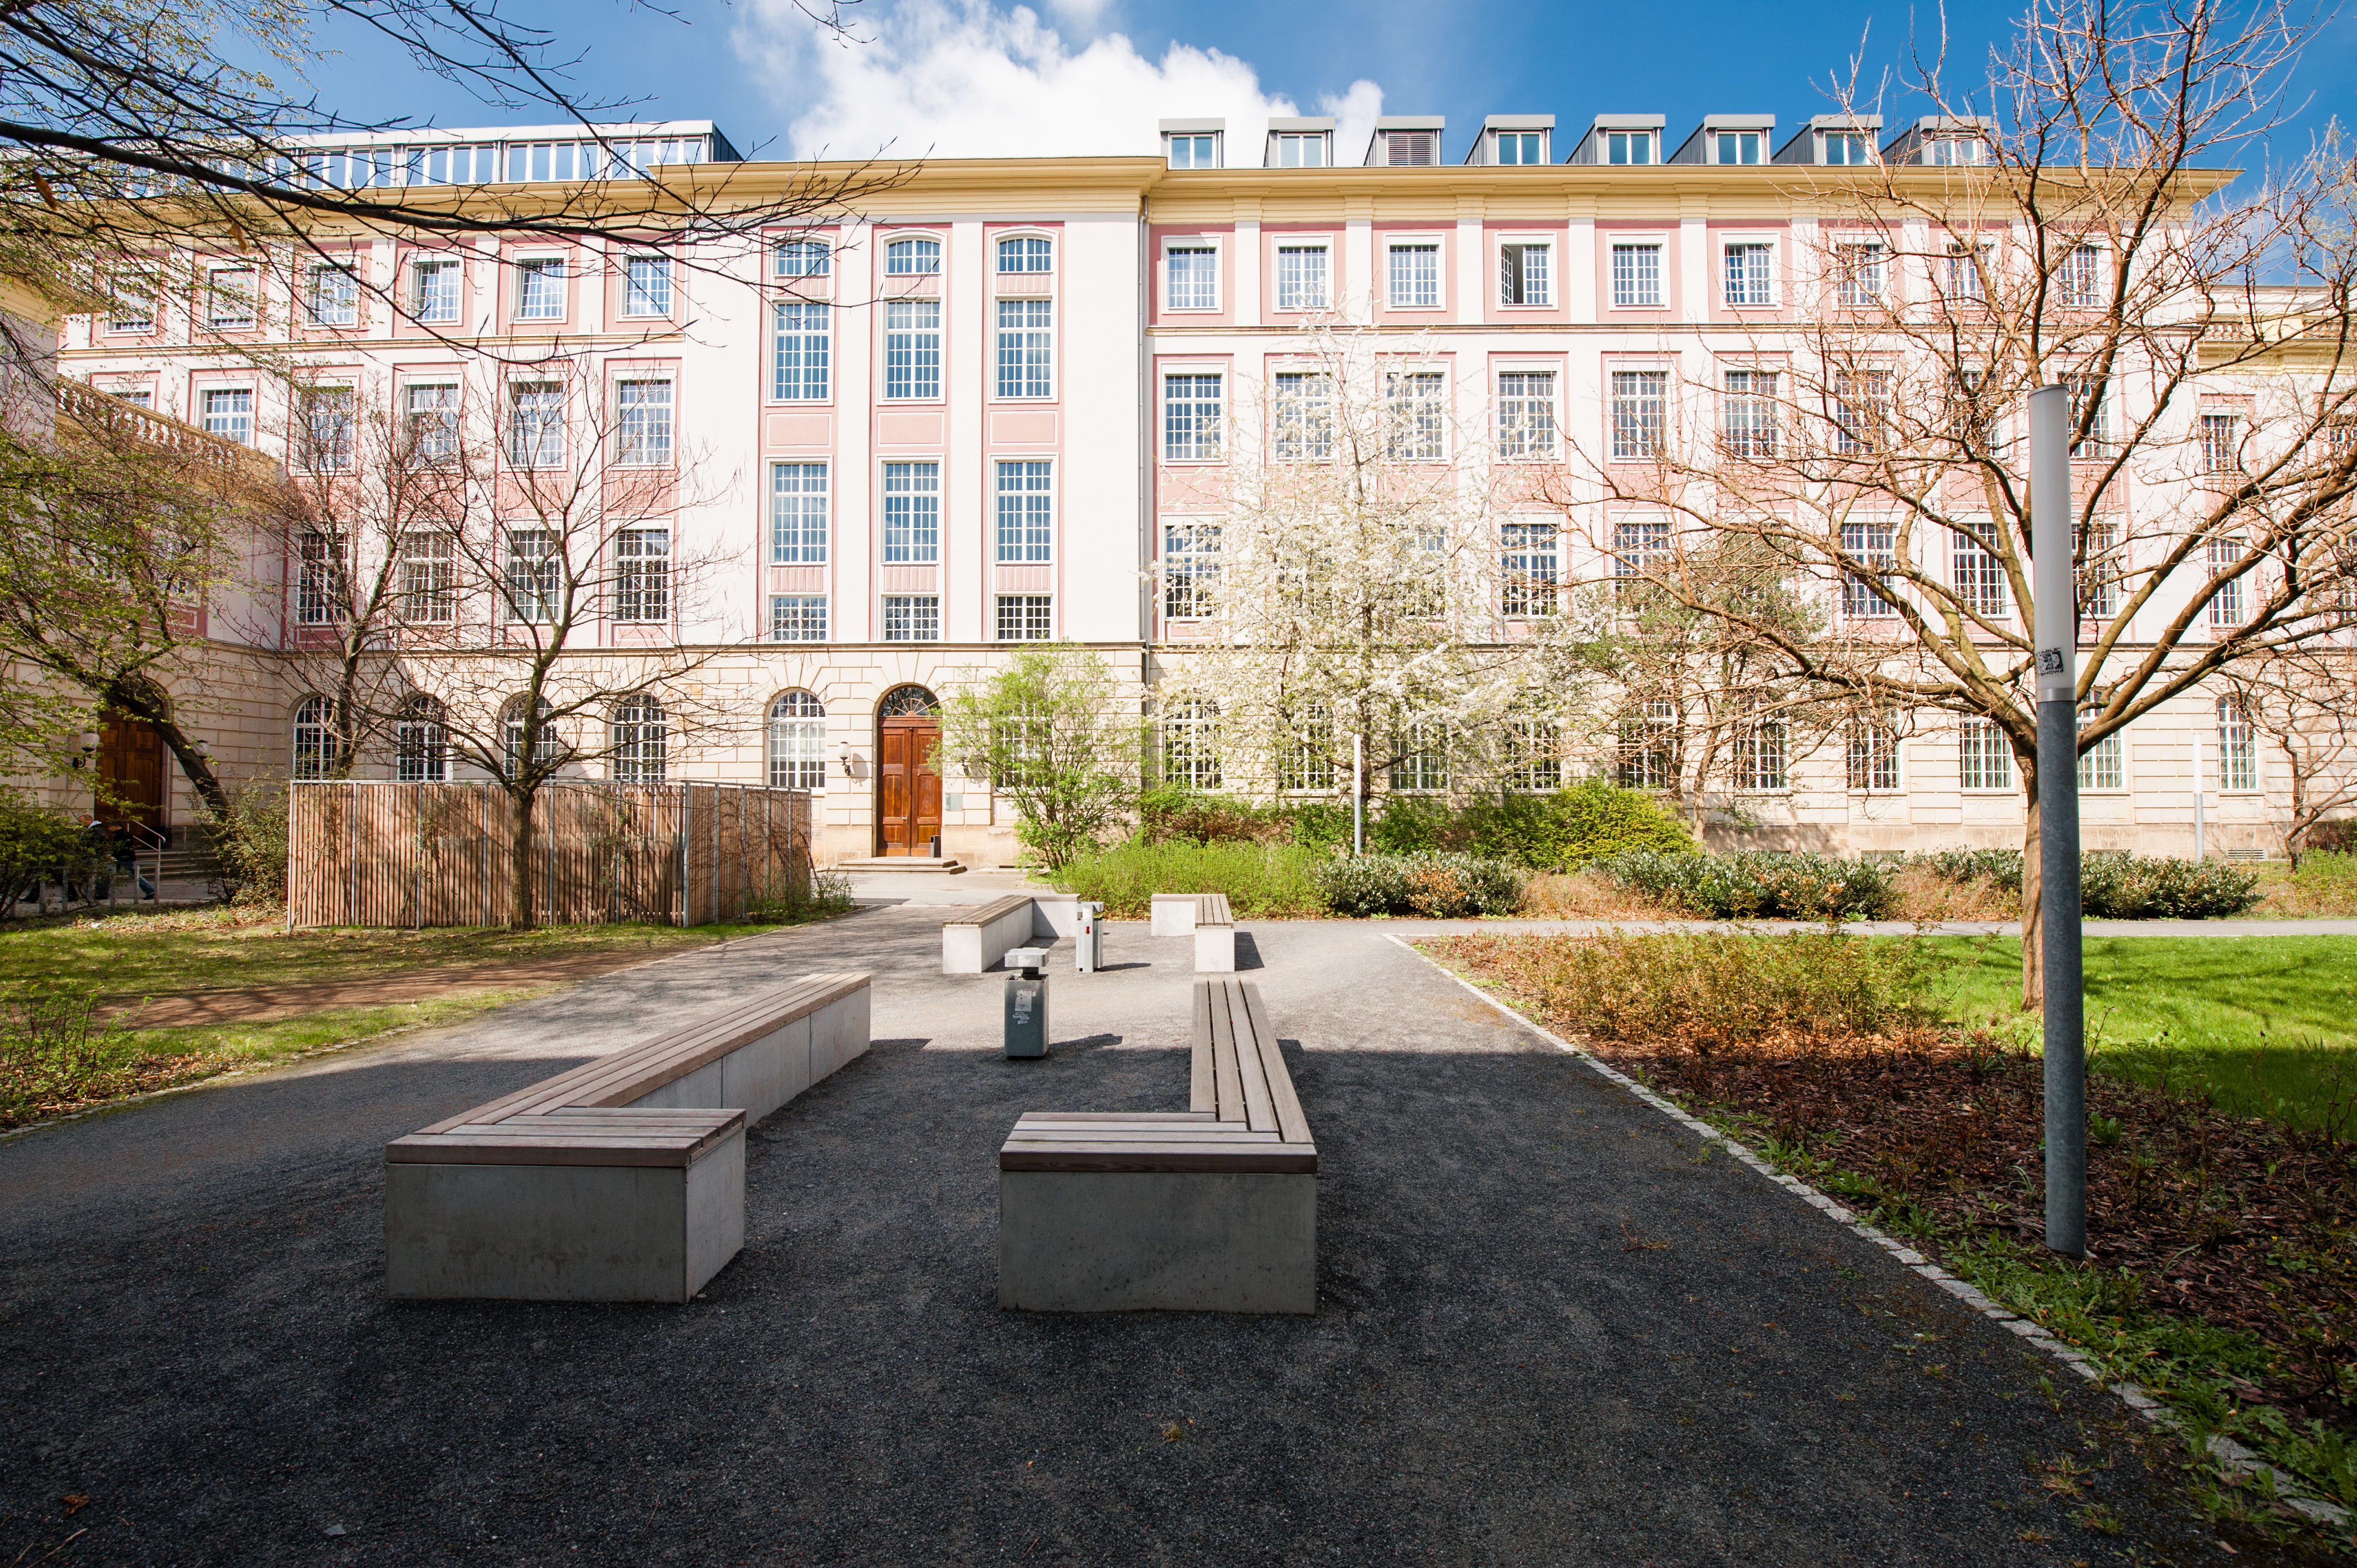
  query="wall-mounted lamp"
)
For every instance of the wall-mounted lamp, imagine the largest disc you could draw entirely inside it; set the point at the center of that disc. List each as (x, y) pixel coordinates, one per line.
(86, 743)
(851, 763)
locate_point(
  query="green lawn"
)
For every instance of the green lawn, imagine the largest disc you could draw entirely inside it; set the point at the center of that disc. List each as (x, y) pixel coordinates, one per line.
(2267, 1025)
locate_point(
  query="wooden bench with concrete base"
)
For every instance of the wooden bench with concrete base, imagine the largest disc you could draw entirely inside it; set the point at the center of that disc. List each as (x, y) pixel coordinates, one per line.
(975, 939)
(1210, 1210)
(1205, 917)
(622, 1179)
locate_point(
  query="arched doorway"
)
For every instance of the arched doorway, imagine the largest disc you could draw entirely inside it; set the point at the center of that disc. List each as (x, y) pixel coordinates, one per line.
(907, 790)
(130, 772)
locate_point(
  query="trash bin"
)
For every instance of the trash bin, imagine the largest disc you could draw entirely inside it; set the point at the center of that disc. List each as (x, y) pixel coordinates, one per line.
(1088, 939)
(1026, 1004)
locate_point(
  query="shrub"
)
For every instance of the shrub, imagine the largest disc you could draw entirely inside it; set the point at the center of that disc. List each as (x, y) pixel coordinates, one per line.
(1440, 887)
(1258, 879)
(1972, 865)
(37, 845)
(1572, 826)
(821, 895)
(1757, 884)
(1174, 813)
(2116, 885)
(250, 840)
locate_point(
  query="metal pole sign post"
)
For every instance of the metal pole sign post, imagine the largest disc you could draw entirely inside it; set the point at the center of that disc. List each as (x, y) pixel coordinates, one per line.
(1358, 794)
(2055, 632)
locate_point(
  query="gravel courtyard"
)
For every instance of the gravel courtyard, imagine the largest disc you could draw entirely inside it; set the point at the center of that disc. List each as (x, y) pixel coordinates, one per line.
(1551, 1329)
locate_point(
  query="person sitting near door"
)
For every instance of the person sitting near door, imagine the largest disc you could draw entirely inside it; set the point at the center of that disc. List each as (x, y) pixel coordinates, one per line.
(126, 859)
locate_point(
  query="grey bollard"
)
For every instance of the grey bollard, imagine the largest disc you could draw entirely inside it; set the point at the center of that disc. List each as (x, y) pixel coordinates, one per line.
(1088, 939)
(1026, 1004)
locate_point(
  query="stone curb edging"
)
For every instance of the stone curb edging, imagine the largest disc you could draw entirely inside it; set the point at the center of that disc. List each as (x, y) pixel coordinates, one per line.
(2231, 1455)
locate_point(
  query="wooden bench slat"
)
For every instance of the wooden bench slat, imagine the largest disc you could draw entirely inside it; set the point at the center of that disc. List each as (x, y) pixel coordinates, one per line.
(1224, 1062)
(1118, 1118)
(1260, 1110)
(1113, 1158)
(1225, 1133)
(997, 910)
(1289, 1118)
(1202, 1093)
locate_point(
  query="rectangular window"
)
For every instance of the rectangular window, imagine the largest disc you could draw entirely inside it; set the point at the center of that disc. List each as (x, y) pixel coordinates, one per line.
(1640, 552)
(1025, 347)
(536, 575)
(797, 352)
(230, 299)
(319, 589)
(912, 258)
(1527, 570)
(1415, 403)
(1987, 757)
(132, 315)
(2082, 283)
(1526, 422)
(2100, 766)
(421, 744)
(1422, 766)
(912, 617)
(1300, 151)
(1956, 150)
(1193, 152)
(1306, 753)
(797, 617)
(2238, 751)
(1858, 275)
(1847, 148)
(432, 409)
(536, 424)
(1536, 747)
(642, 424)
(1861, 412)
(1742, 146)
(1526, 274)
(801, 259)
(1963, 274)
(429, 577)
(540, 289)
(1979, 575)
(1750, 274)
(335, 298)
(1190, 568)
(912, 513)
(2088, 406)
(1873, 758)
(1520, 147)
(435, 295)
(2222, 443)
(1191, 418)
(1748, 425)
(1193, 278)
(1301, 277)
(228, 413)
(2227, 600)
(2099, 570)
(1872, 546)
(1628, 146)
(326, 439)
(912, 349)
(1637, 276)
(1648, 756)
(1758, 760)
(1027, 519)
(646, 286)
(1026, 617)
(1411, 149)
(1027, 253)
(1414, 277)
(642, 576)
(1639, 415)
(798, 514)
(1305, 415)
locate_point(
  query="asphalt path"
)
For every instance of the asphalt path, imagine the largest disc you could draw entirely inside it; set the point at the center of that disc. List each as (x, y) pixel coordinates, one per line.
(1553, 1327)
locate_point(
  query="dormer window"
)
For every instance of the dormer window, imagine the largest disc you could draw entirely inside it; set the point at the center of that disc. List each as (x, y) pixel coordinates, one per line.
(1521, 146)
(1953, 150)
(1628, 147)
(1408, 149)
(1742, 146)
(1193, 149)
(912, 258)
(1299, 150)
(1028, 253)
(1847, 148)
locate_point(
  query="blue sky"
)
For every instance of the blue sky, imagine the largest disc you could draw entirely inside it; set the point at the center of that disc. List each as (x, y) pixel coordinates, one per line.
(970, 77)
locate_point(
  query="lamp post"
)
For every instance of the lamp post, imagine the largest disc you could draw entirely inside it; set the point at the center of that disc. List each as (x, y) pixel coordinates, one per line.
(2055, 632)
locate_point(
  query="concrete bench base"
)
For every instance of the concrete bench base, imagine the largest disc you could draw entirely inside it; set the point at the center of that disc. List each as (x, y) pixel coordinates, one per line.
(1172, 1242)
(1215, 950)
(973, 942)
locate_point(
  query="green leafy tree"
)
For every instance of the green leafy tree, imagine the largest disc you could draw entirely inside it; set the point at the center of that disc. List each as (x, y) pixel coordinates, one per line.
(1051, 733)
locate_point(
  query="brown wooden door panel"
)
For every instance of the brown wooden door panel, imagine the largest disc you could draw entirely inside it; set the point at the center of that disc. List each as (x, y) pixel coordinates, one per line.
(908, 791)
(131, 766)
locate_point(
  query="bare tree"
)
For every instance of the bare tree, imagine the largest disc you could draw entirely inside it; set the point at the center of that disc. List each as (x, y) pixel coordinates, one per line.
(2065, 223)
(2304, 702)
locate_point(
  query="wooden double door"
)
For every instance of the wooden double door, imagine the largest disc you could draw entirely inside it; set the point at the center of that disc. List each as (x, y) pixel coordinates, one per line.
(908, 789)
(130, 773)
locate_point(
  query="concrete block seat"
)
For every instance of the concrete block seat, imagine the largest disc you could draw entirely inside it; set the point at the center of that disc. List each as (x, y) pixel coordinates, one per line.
(622, 1179)
(1205, 917)
(975, 939)
(1214, 1208)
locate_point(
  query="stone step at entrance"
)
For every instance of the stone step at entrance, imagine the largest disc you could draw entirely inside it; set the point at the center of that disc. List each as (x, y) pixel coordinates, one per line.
(923, 865)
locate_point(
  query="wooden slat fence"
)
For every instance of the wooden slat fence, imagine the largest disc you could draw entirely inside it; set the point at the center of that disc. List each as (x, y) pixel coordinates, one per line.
(369, 853)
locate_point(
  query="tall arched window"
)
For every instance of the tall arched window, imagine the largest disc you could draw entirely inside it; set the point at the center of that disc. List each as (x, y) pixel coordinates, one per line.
(550, 745)
(1190, 744)
(421, 742)
(639, 737)
(314, 738)
(797, 742)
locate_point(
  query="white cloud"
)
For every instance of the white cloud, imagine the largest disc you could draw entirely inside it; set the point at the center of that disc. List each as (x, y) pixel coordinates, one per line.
(964, 79)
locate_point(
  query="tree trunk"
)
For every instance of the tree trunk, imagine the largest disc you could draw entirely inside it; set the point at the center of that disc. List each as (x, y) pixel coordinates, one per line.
(520, 912)
(2033, 959)
(137, 699)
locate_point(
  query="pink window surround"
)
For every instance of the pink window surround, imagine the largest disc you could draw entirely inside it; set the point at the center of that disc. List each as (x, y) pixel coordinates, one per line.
(1781, 262)
(616, 276)
(354, 259)
(1442, 238)
(1673, 264)
(511, 281)
(1222, 241)
(1338, 284)
(1496, 234)
(470, 266)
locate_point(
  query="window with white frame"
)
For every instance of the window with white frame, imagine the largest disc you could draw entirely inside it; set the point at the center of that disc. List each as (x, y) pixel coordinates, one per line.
(1302, 277)
(641, 741)
(1964, 272)
(421, 741)
(325, 442)
(799, 352)
(534, 579)
(912, 258)
(1526, 273)
(797, 617)
(547, 745)
(230, 299)
(1858, 271)
(1642, 550)
(320, 586)
(228, 413)
(1637, 275)
(1193, 151)
(1847, 149)
(1984, 756)
(2238, 747)
(1529, 569)
(1027, 253)
(1748, 425)
(642, 422)
(2222, 443)
(434, 294)
(1526, 422)
(1518, 149)
(430, 409)
(1866, 587)
(798, 514)
(797, 743)
(1193, 416)
(1978, 573)
(1646, 758)
(540, 288)
(2080, 279)
(642, 576)
(1958, 150)
(2090, 408)
(1295, 150)
(1639, 415)
(1534, 744)
(1027, 517)
(2099, 569)
(912, 617)
(429, 577)
(1413, 276)
(1873, 758)
(1305, 758)
(912, 349)
(1190, 744)
(1024, 618)
(1414, 411)
(1628, 147)
(130, 313)
(1190, 568)
(1420, 766)
(1758, 760)
(536, 424)
(801, 259)
(2226, 596)
(2100, 766)
(1741, 147)
(646, 286)
(1027, 348)
(1861, 412)
(1750, 274)
(316, 745)
(334, 296)
(912, 513)
(138, 397)
(1304, 414)
(1192, 275)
